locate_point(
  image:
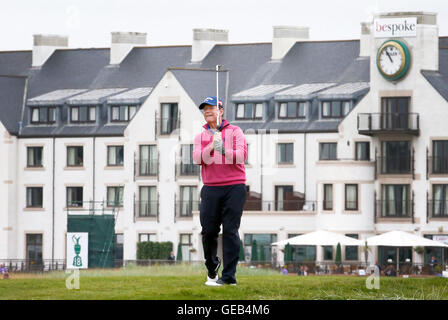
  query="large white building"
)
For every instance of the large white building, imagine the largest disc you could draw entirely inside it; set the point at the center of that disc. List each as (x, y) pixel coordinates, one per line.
(347, 136)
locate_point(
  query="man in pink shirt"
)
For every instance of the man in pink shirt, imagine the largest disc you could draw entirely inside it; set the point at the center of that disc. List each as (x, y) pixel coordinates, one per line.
(221, 151)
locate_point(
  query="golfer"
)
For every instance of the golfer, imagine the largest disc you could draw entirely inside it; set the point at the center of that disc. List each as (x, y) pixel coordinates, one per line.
(221, 150)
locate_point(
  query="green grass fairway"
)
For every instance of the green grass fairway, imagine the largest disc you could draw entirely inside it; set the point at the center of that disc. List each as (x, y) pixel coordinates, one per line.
(187, 283)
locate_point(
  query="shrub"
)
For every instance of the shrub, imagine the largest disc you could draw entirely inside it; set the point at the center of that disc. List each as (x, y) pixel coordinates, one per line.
(154, 250)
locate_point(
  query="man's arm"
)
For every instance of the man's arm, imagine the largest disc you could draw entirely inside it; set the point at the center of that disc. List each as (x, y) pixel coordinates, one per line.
(238, 155)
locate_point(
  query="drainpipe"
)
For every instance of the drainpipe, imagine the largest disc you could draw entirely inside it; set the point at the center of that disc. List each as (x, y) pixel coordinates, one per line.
(93, 173)
(52, 227)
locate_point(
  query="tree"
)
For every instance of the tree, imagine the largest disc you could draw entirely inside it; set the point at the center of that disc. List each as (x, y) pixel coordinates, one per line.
(338, 260)
(179, 252)
(262, 253)
(242, 255)
(254, 252)
(366, 250)
(288, 253)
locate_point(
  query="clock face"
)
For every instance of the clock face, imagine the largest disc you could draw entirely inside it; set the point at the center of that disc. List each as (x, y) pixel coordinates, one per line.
(393, 59)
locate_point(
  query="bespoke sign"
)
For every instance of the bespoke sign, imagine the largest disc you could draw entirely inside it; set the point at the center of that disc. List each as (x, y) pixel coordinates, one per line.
(395, 27)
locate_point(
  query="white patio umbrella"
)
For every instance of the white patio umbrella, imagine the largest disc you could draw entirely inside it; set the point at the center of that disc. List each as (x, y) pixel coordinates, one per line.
(402, 239)
(319, 238)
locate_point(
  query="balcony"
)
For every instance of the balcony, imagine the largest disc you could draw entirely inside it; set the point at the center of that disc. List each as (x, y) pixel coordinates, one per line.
(147, 209)
(146, 168)
(187, 170)
(394, 209)
(166, 126)
(395, 165)
(381, 123)
(185, 208)
(283, 205)
(437, 209)
(437, 165)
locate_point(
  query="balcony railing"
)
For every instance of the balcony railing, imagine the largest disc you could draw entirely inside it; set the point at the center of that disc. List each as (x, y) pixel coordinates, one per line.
(187, 169)
(185, 208)
(394, 209)
(438, 209)
(145, 209)
(437, 165)
(280, 205)
(165, 126)
(147, 167)
(395, 165)
(371, 123)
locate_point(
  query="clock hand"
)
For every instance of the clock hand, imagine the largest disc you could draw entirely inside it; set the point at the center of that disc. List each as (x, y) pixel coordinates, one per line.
(389, 56)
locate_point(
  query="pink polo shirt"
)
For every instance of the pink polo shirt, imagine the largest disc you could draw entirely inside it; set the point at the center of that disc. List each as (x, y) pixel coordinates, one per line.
(218, 169)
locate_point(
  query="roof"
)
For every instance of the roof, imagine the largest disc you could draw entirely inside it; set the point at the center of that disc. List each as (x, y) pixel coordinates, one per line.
(12, 92)
(439, 79)
(95, 96)
(261, 92)
(348, 90)
(56, 97)
(134, 96)
(305, 91)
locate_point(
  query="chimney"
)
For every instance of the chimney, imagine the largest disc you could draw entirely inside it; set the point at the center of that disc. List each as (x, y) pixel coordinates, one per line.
(45, 45)
(285, 37)
(122, 44)
(365, 41)
(204, 40)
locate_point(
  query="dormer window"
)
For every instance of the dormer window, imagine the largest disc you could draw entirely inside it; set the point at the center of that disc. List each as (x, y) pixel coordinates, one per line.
(82, 114)
(43, 115)
(246, 111)
(335, 109)
(122, 113)
(292, 110)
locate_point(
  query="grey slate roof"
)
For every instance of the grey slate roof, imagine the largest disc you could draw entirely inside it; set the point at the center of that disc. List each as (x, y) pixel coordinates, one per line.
(57, 97)
(261, 92)
(12, 92)
(304, 91)
(246, 66)
(134, 96)
(349, 90)
(94, 97)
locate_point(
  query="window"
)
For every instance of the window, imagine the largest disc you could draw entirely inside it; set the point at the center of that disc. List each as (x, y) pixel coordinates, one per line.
(351, 252)
(328, 197)
(75, 156)
(285, 153)
(188, 200)
(187, 167)
(335, 109)
(362, 151)
(258, 246)
(82, 114)
(115, 196)
(185, 241)
(74, 197)
(396, 157)
(169, 119)
(34, 249)
(395, 200)
(440, 200)
(395, 112)
(123, 113)
(328, 252)
(34, 196)
(249, 111)
(351, 197)
(148, 163)
(328, 151)
(148, 206)
(144, 237)
(118, 250)
(440, 156)
(283, 195)
(292, 110)
(115, 155)
(302, 253)
(43, 115)
(34, 156)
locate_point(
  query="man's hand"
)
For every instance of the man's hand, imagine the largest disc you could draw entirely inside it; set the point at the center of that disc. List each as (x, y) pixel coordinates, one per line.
(218, 145)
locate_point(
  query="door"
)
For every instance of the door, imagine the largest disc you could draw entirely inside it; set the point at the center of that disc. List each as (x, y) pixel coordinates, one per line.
(395, 113)
(34, 251)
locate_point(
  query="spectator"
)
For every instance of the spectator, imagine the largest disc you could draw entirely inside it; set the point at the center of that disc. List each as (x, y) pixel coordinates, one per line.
(305, 271)
(172, 257)
(432, 264)
(284, 270)
(4, 272)
(301, 271)
(390, 271)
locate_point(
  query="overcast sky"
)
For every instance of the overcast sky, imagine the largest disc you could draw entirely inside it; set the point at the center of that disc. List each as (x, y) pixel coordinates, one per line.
(88, 23)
